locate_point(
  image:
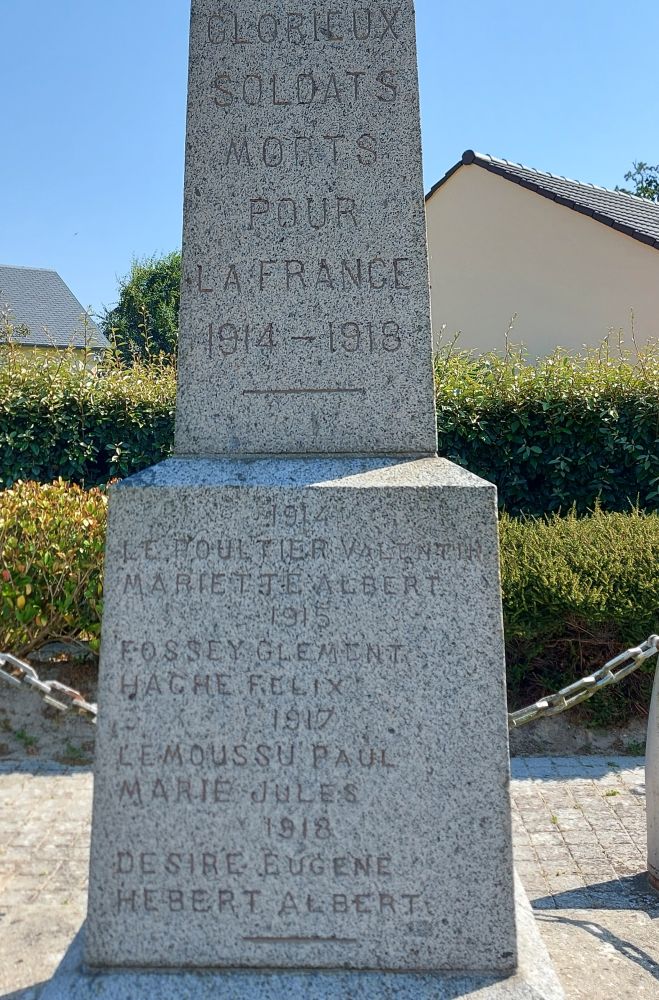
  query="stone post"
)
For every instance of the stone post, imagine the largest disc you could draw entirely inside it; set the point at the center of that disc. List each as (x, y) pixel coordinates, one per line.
(652, 785)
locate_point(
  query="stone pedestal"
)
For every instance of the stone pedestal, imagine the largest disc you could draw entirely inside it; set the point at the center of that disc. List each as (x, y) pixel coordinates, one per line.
(302, 752)
(534, 979)
(302, 749)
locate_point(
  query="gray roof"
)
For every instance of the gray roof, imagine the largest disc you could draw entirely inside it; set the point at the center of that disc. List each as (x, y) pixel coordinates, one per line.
(40, 301)
(635, 217)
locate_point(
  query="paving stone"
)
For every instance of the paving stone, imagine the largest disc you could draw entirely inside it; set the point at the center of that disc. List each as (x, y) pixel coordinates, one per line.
(612, 912)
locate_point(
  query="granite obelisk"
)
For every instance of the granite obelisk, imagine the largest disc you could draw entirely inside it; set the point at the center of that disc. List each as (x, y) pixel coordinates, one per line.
(305, 307)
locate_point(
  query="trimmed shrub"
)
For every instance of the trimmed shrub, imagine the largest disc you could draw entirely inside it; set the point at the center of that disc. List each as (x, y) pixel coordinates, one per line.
(565, 431)
(51, 545)
(569, 430)
(576, 590)
(58, 419)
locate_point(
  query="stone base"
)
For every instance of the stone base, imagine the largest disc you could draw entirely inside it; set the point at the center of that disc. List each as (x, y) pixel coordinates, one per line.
(302, 652)
(535, 979)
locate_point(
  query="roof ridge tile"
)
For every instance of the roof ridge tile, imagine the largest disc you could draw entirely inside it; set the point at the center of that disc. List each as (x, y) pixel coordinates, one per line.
(629, 214)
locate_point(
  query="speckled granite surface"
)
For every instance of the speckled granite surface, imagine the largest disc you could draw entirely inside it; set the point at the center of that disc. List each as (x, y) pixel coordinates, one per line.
(305, 309)
(287, 771)
(534, 980)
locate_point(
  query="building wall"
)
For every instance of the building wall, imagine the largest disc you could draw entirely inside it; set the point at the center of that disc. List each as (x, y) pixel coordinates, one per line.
(497, 249)
(53, 353)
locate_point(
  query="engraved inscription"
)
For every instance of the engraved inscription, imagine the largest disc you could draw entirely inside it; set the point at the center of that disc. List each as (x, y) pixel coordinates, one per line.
(305, 89)
(287, 727)
(246, 586)
(201, 549)
(261, 634)
(246, 902)
(227, 340)
(299, 150)
(372, 274)
(328, 26)
(292, 213)
(221, 874)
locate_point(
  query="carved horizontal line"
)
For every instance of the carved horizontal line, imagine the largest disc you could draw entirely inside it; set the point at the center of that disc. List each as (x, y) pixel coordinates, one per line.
(294, 392)
(300, 940)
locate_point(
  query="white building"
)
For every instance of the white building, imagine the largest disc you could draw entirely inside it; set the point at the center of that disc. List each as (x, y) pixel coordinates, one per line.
(570, 261)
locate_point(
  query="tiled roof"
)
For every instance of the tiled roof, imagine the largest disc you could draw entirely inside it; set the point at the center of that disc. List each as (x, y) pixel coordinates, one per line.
(635, 217)
(40, 301)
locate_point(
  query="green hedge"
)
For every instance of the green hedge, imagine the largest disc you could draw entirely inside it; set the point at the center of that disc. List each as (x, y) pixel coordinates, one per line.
(568, 431)
(59, 420)
(576, 590)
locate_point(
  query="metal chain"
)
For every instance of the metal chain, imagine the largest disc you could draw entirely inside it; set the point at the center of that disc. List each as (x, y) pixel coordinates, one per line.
(23, 675)
(621, 666)
(611, 673)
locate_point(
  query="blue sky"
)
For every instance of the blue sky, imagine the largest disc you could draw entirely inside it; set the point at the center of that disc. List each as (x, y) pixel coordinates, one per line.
(93, 113)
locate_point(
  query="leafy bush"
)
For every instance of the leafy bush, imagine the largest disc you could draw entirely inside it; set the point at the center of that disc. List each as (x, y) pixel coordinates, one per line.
(51, 545)
(58, 419)
(576, 590)
(567, 430)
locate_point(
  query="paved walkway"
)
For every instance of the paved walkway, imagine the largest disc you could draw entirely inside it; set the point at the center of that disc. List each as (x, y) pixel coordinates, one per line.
(580, 848)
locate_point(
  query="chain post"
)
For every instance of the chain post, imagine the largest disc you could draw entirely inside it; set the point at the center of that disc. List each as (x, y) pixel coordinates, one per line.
(652, 786)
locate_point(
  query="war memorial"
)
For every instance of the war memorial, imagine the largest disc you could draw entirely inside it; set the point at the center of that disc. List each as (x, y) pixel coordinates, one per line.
(301, 785)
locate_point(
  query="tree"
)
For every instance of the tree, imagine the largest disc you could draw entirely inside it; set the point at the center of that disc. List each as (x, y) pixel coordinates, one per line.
(144, 323)
(645, 179)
